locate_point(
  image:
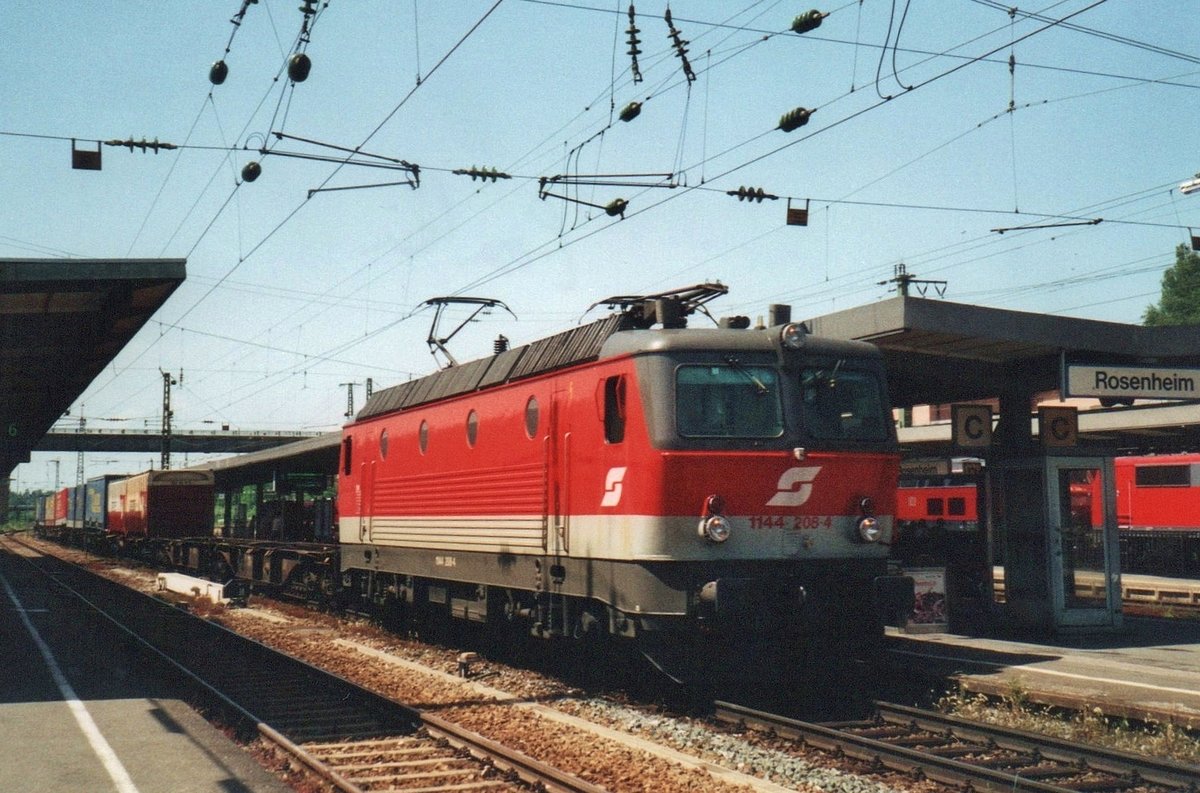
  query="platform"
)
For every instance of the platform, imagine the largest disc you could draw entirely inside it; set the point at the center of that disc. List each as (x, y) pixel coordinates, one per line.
(1150, 670)
(80, 711)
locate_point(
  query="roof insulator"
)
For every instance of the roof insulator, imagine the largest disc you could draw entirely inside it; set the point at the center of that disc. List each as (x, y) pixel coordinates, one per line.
(809, 20)
(794, 119)
(218, 73)
(630, 111)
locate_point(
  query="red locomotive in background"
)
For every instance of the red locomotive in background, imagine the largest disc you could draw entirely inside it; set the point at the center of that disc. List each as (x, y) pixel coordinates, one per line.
(1157, 500)
(633, 480)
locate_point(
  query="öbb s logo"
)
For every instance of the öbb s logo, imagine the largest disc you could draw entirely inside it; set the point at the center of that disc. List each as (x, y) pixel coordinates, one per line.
(795, 487)
(613, 482)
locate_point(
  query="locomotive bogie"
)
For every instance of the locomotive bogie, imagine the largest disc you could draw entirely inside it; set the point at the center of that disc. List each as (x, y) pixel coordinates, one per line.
(555, 598)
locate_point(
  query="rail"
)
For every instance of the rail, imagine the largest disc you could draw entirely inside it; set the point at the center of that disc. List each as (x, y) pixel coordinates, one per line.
(353, 738)
(983, 757)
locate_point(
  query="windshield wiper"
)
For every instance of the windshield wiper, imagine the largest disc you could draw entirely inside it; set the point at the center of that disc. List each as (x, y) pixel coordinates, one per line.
(759, 386)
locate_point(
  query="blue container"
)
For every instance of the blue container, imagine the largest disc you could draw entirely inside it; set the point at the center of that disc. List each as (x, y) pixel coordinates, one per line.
(95, 510)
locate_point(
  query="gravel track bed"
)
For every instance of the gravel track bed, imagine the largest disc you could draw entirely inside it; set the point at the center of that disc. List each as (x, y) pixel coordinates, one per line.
(620, 746)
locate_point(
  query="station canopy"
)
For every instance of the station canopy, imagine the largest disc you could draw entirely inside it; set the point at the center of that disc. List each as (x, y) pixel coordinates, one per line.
(939, 352)
(61, 322)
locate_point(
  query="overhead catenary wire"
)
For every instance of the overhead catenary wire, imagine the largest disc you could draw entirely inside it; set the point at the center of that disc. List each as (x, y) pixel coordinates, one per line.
(439, 227)
(298, 207)
(515, 264)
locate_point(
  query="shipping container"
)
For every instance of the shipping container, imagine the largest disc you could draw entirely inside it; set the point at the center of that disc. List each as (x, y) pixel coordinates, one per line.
(161, 504)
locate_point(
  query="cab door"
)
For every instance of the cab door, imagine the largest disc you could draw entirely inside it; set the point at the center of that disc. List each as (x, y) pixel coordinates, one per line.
(366, 507)
(558, 466)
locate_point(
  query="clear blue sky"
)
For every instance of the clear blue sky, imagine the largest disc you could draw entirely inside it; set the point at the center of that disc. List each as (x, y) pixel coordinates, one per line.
(289, 296)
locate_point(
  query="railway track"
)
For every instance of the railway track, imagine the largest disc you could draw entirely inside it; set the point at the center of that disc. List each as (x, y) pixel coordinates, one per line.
(975, 756)
(353, 738)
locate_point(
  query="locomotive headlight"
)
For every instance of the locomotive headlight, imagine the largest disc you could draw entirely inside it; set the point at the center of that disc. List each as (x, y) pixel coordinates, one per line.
(792, 336)
(714, 528)
(868, 529)
(868, 524)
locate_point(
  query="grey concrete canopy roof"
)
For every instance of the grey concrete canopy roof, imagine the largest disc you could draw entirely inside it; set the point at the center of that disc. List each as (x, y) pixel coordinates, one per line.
(938, 351)
(61, 322)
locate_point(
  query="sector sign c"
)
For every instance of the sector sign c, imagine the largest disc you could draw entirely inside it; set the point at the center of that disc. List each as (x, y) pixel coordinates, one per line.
(972, 425)
(1058, 426)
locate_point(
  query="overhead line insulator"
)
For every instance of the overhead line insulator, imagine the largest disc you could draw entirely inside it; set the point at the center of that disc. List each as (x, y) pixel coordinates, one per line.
(808, 21)
(634, 50)
(142, 144)
(680, 45)
(299, 65)
(755, 194)
(220, 70)
(616, 207)
(481, 173)
(794, 119)
(630, 111)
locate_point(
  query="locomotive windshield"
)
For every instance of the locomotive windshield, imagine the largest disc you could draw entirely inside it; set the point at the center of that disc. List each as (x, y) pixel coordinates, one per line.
(728, 401)
(842, 404)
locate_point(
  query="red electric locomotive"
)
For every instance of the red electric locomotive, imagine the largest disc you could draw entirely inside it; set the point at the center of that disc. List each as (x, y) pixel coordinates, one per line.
(1158, 513)
(637, 480)
(944, 500)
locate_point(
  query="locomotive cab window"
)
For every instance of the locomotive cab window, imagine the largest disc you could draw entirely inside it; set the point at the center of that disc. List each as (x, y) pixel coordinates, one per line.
(841, 404)
(347, 462)
(728, 401)
(1163, 475)
(614, 409)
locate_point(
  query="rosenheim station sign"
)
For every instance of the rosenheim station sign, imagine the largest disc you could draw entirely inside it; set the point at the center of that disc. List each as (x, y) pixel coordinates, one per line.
(1142, 382)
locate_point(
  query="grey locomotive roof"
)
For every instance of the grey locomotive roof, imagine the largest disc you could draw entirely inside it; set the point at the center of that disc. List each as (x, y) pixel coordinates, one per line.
(632, 342)
(573, 346)
(605, 338)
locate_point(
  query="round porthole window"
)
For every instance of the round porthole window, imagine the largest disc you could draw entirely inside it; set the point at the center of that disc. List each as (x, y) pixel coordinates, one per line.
(423, 436)
(472, 427)
(531, 417)
(383, 443)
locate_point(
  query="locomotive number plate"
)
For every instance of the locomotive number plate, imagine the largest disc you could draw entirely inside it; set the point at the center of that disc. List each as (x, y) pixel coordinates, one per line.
(791, 522)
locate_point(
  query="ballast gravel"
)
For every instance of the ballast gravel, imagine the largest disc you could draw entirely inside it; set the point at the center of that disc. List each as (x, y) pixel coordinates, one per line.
(618, 746)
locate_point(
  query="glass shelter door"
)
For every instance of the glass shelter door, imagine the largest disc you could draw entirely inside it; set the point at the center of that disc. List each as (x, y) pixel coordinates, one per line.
(1085, 579)
(1053, 542)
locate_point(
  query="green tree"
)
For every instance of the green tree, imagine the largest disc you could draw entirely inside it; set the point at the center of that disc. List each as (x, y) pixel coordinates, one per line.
(1180, 300)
